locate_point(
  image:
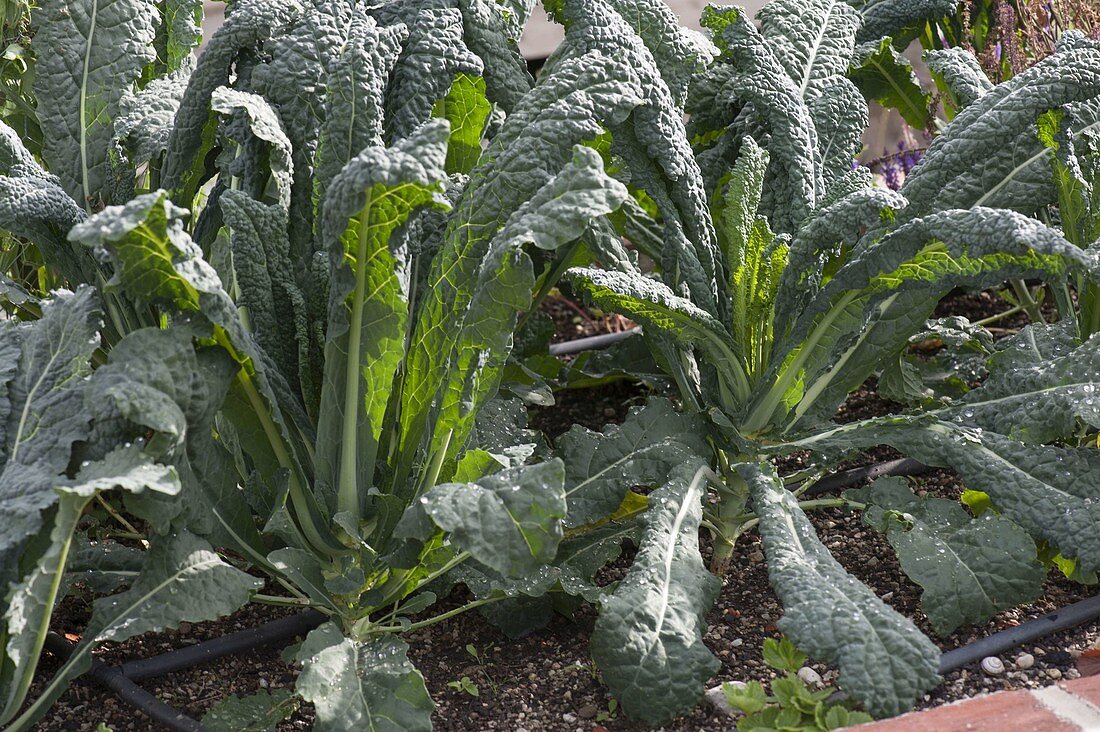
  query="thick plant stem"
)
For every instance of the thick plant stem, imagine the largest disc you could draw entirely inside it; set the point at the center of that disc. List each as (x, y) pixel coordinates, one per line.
(732, 497)
(1027, 302)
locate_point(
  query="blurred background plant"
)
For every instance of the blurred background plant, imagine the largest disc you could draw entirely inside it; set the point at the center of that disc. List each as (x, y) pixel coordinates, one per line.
(20, 264)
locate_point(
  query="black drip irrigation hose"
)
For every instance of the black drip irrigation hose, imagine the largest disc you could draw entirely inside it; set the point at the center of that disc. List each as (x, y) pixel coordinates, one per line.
(591, 343)
(267, 634)
(1070, 616)
(128, 691)
(855, 476)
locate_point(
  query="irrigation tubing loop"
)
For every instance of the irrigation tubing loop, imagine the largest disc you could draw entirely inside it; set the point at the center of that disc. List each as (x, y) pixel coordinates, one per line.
(121, 679)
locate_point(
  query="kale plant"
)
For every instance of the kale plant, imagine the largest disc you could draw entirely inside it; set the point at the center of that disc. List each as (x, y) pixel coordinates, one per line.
(821, 282)
(343, 208)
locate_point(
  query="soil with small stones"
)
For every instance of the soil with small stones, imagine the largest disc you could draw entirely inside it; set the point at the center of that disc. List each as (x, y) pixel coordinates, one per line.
(546, 681)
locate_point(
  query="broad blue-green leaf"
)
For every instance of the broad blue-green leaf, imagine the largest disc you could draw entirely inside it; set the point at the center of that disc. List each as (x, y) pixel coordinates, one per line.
(88, 56)
(885, 661)
(476, 280)
(648, 639)
(510, 521)
(900, 19)
(247, 23)
(259, 712)
(31, 600)
(960, 73)
(650, 444)
(883, 74)
(184, 580)
(362, 685)
(989, 155)
(970, 568)
(657, 308)
(1050, 491)
(812, 40)
(369, 300)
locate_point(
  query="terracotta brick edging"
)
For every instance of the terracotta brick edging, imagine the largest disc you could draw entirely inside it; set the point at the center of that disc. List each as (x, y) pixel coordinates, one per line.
(1072, 706)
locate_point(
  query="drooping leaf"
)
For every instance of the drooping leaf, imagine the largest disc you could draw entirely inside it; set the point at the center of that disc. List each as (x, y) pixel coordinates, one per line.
(246, 24)
(884, 660)
(648, 639)
(31, 600)
(1050, 491)
(1036, 402)
(960, 73)
(183, 581)
(354, 95)
(510, 521)
(900, 19)
(42, 411)
(601, 467)
(361, 685)
(970, 568)
(989, 155)
(433, 56)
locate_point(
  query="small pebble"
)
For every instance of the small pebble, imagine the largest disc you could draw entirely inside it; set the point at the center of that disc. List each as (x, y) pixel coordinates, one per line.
(185, 628)
(1025, 661)
(588, 711)
(1054, 673)
(737, 642)
(717, 699)
(569, 718)
(756, 556)
(810, 677)
(993, 666)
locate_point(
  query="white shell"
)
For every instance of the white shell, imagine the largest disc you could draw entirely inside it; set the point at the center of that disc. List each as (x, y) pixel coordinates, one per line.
(993, 666)
(809, 676)
(1025, 661)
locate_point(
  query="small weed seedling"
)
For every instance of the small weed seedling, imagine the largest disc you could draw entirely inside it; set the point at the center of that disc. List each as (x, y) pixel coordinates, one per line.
(792, 705)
